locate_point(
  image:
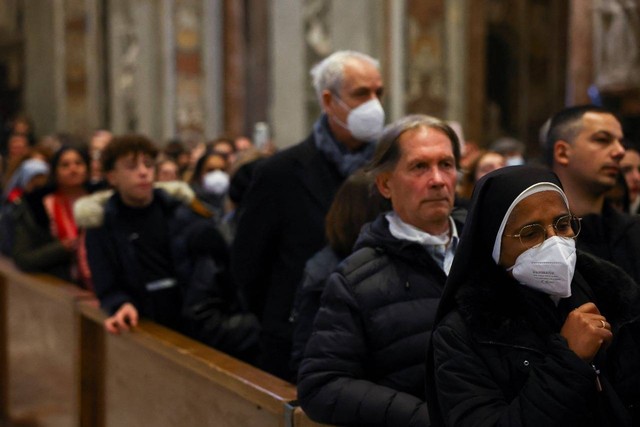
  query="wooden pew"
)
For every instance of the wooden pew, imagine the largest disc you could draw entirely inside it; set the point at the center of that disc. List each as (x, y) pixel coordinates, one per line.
(154, 376)
(58, 367)
(39, 348)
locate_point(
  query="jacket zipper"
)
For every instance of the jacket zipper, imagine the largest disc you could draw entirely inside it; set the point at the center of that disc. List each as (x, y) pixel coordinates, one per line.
(598, 383)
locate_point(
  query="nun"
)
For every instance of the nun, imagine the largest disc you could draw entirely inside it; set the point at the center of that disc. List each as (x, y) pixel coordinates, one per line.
(529, 331)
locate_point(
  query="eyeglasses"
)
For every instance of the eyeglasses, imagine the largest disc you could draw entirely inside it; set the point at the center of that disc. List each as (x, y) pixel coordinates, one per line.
(534, 234)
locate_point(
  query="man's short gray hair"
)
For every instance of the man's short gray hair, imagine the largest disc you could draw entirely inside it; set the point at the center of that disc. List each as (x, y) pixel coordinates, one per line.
(329, 73)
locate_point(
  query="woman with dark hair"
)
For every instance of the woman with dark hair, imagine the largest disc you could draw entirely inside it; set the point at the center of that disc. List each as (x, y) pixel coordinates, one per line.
(356, 203)
(486, 162)
(529, 331)
(618, 195)
(166, 170)
(47, 239)
(630, 168)
(210, 181)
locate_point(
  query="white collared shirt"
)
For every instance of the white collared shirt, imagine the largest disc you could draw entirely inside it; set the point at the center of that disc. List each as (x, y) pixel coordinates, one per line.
(441, 247)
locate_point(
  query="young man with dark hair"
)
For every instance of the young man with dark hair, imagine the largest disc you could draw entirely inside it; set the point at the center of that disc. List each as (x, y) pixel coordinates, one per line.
(156, 255)
(585, 148)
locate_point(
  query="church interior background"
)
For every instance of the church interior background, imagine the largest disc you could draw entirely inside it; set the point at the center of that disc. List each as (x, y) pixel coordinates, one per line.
(198, 69)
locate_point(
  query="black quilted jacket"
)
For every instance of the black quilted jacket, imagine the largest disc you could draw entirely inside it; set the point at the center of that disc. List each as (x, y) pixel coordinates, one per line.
(364, 363)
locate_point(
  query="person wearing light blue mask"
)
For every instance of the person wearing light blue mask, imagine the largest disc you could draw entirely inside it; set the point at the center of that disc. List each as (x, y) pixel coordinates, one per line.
(529, 330)
(512, 150)
(281, 222)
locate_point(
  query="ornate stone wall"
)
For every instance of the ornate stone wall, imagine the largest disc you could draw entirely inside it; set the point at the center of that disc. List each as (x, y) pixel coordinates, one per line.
(194, 69)
(11, 58)
(318, 45)
(426, 78)
(616, 50)
(189, 90)
(124, 68)
(75, 65)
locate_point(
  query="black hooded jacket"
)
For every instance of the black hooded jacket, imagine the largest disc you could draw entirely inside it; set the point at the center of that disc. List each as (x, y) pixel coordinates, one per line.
(613, 236)
(364, 363)
(497, 357)
(205, 305)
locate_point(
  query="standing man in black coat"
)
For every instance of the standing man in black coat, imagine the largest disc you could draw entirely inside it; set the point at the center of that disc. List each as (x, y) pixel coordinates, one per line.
(282, 222)
(364, 362)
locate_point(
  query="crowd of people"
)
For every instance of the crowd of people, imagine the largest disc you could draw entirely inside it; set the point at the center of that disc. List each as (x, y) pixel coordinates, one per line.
(396, 275)
(148, 231)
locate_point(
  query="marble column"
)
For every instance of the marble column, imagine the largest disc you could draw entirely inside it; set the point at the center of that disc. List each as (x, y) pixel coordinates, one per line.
(44, 91)
(580, 52)
(289, 79)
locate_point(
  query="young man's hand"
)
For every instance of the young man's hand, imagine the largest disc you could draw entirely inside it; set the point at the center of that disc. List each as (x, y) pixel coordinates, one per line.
(123, 319)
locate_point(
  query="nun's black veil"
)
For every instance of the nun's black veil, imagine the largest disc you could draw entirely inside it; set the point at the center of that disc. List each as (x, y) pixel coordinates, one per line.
(473, 262)
(492, 196)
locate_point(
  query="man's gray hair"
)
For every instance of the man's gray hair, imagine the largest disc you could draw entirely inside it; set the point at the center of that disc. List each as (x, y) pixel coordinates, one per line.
(387, 151)
(329, 73)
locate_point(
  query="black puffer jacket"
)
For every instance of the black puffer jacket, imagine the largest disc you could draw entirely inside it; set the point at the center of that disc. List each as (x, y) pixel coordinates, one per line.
(307, 302)
(364, 363)
(500, 360)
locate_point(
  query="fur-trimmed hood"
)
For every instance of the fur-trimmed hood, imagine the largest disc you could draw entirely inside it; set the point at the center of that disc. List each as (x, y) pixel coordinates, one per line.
(89, 210)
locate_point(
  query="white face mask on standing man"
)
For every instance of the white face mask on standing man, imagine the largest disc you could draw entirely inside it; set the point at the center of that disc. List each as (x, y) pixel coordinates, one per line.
(366, 121)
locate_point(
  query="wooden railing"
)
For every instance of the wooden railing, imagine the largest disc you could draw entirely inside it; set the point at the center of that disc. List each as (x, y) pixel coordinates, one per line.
(59, 368)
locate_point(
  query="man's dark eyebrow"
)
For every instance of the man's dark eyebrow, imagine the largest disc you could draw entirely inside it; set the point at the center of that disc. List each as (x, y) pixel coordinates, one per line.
(604, 132)
(361, 90)
(364, 90)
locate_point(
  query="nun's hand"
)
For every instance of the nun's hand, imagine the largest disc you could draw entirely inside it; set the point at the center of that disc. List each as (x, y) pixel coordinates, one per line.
(586, 330)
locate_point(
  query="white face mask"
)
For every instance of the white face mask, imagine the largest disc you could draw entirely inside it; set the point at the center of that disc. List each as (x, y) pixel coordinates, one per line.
(366, 121)
(549, 267)
(216, 182)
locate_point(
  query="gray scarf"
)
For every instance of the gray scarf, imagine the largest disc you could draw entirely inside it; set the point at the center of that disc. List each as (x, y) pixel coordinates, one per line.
(336, 152)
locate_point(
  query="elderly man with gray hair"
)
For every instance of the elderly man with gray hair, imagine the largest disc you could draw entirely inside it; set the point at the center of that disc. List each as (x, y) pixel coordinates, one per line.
(282, 222)
(365, 361)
